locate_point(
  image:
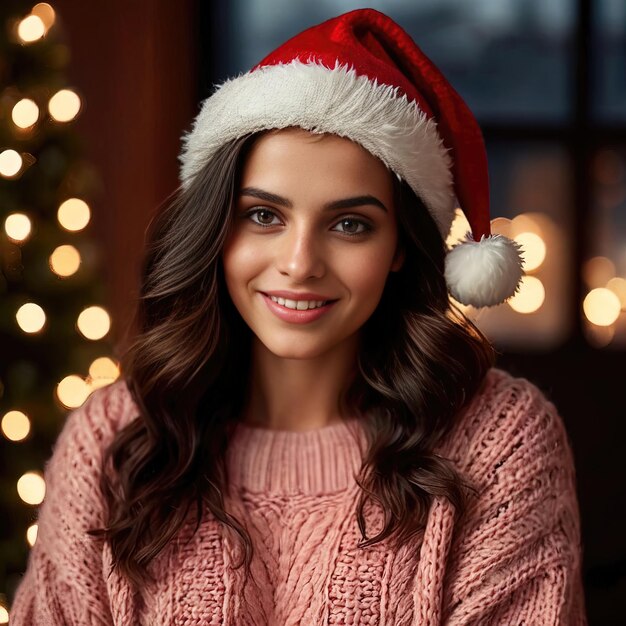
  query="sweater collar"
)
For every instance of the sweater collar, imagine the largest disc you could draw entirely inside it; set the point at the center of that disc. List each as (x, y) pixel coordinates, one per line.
(312, 462)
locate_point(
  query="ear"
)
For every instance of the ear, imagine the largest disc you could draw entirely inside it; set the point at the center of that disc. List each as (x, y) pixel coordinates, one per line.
(398, 259)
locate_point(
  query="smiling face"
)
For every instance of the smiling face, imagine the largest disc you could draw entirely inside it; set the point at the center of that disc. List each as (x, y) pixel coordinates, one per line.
(314, 216)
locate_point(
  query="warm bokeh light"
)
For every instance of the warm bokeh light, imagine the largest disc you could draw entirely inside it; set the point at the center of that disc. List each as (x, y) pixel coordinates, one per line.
(534, 250)
(65, 260)
(528, 223)
(601, 306)
(31, 534)
(459, 227)
(597, 271)
(530, 297)
(10, 163)
(31, 28)
(25, 113)
(64, 105)
(74, 214)
(103, 371)
(45, 13)
(94, 322)
(501, 226)
(31, 487)
(18, 227)
(30, 317)
(15, 425)
(4, 615)
(72, 391)
(618, 286)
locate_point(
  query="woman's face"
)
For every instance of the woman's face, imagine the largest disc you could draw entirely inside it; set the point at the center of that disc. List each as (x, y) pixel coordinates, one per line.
(314, 216)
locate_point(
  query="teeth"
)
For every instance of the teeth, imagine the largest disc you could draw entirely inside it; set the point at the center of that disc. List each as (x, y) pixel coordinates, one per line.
(299, 305)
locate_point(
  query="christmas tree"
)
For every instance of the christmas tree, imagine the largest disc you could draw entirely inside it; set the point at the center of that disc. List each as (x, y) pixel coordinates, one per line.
(54, 347)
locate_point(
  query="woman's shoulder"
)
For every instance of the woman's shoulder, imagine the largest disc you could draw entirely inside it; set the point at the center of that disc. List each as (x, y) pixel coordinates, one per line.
(509, 422)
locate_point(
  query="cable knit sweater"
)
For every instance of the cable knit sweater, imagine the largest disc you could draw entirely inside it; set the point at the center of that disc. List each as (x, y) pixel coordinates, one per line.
(515, 559)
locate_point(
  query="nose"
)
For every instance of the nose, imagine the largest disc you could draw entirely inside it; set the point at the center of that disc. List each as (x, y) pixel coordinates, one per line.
(299, 254)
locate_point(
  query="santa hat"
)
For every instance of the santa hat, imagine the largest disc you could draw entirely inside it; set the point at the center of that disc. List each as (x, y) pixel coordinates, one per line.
(361, 76)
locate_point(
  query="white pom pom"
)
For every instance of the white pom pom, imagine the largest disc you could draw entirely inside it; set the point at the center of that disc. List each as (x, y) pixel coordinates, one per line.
(485, 272)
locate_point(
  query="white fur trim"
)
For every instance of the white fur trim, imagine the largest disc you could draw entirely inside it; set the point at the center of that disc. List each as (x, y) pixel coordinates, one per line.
(320, 99)
(485, 272)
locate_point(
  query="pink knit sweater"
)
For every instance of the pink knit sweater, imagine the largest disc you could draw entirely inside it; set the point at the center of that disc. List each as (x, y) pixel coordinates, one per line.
(516, 559)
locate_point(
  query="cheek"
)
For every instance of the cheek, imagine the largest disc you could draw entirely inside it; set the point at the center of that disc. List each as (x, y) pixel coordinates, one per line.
(241, 260)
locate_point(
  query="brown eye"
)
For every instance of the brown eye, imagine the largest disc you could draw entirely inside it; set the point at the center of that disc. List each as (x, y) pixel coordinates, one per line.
(264, 216)
(350, 226)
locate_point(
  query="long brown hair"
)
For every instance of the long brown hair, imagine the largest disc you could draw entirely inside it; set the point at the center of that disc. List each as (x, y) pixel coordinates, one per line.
(420, 362)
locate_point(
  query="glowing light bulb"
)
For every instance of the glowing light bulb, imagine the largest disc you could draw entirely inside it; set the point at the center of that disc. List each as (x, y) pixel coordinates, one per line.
(17, 226)
(25, 113)
(31, 534)
(601, 306)
(530, 297)
(65, 260)
(31, 28)
(10, 163)
(72, 391)
(618, 286)
(64, 105)
(534, 250)
(74, 214)
(459, 227)
(30, 317)
(31, 487)
(103, 371)
(15, 425)
(45, 13)
(94, 322)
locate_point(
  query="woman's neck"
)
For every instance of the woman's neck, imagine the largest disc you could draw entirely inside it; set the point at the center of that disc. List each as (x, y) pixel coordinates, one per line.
(298, 394)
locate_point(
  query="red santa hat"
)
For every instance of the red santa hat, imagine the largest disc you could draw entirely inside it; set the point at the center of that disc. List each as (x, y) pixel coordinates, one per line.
(361, 76)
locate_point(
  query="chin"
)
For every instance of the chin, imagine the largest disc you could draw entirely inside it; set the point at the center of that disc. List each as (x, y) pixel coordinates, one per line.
(295, 350)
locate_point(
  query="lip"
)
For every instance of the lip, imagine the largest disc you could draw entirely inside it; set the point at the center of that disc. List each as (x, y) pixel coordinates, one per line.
(294, 316)
(293, 295)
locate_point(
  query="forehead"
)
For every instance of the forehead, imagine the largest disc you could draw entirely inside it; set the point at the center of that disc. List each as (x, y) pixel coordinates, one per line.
(297, 154)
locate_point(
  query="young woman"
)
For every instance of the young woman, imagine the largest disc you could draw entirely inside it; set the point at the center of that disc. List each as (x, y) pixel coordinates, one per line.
(307, 429)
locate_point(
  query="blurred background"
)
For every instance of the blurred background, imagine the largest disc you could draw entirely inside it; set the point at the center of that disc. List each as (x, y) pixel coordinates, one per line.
(93, 100)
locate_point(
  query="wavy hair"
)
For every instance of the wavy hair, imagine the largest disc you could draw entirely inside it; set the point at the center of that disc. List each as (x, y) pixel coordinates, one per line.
(420, 363)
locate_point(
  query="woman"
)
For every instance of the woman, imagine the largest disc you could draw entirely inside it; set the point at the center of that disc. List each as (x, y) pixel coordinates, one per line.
(307, 430)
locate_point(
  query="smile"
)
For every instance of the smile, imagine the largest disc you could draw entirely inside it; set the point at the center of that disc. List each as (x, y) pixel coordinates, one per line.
(300, 305)
(298, 311)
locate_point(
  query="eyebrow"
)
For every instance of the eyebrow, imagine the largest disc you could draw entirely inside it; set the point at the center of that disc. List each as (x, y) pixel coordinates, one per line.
(345, 203)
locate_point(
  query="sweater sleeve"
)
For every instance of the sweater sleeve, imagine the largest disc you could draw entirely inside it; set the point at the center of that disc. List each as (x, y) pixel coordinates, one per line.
(516, 559)
(64, 581)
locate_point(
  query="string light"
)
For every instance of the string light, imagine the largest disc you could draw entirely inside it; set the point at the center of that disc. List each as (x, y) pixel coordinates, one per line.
(15, 425)
(17, 226)
(45, 13)
(73, 214)
(534, 250)
(94, 322)
(25, 113)
(64, 105)
(72, 391)
(31, 28)
(31, 534)
(31, 487)
(530, 297)
(65, 261)
(30, 317)
(10, 163)
(618, 286)
(601, 306)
